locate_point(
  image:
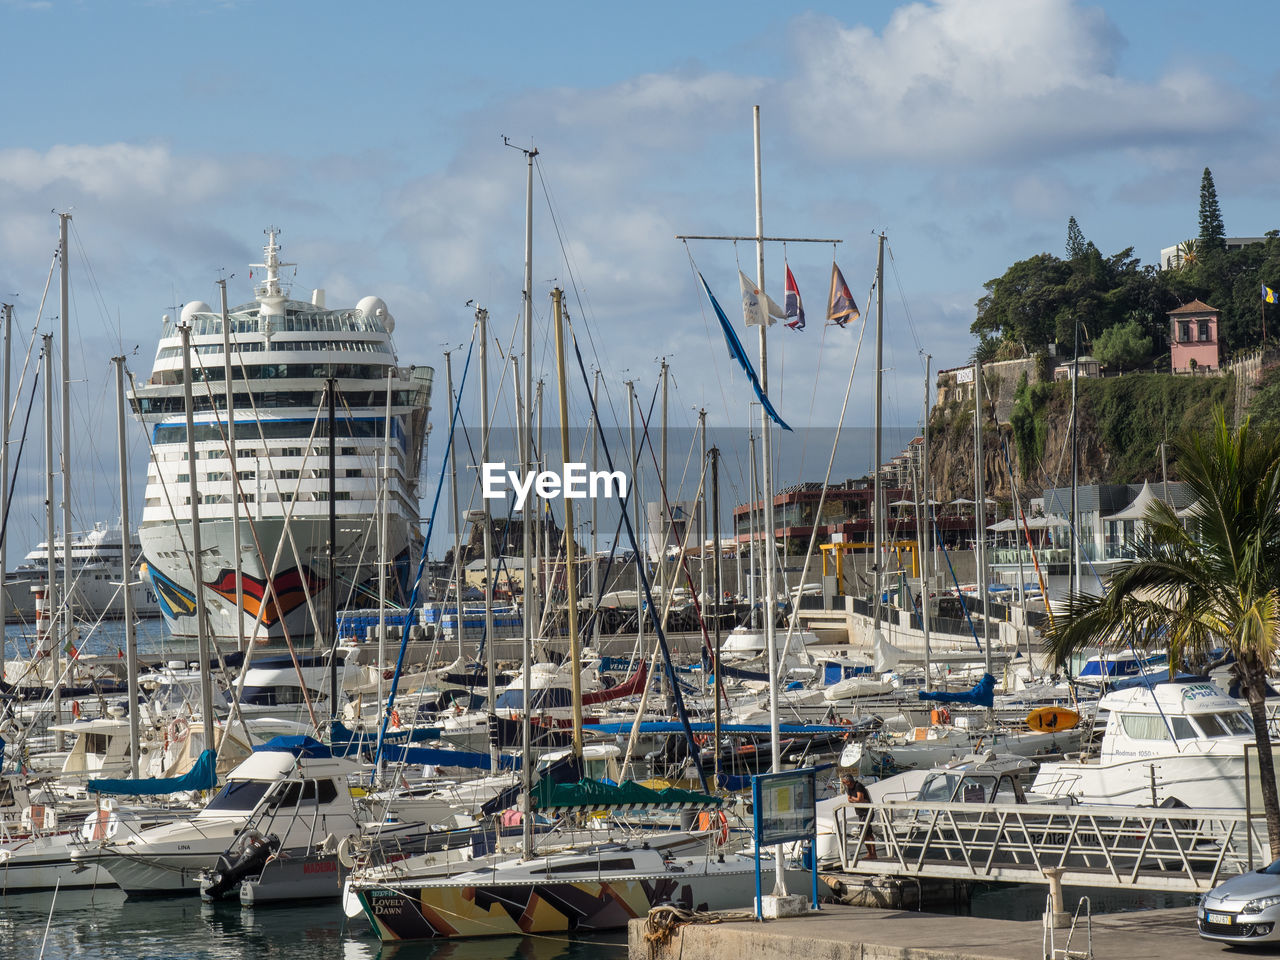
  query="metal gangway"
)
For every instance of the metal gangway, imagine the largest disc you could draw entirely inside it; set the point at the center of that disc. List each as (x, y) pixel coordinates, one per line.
(1146, 848)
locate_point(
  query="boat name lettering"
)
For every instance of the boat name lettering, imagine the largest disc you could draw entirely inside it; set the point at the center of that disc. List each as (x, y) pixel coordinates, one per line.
(327, 866)
(576, 483)
(1198, 691)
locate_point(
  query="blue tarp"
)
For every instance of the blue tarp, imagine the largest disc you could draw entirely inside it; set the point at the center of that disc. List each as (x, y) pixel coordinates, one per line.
(203, 776)
(446, 758)
(298, 745)
(671, 726)
(982, 694)
(345, 742)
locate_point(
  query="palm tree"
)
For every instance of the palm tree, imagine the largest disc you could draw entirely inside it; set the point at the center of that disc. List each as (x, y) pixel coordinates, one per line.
(1213, 586)
(1187, 254)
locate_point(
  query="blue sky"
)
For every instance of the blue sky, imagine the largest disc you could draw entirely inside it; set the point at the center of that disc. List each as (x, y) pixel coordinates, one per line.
(967, 130)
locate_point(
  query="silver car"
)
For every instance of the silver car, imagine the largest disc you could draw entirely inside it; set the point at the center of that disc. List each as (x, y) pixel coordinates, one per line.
(1244, 909)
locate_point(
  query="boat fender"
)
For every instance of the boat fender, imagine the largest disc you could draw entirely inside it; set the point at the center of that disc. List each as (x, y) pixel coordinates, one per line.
(75, 709)
(179, 729)
(347, 851)
(245, 857)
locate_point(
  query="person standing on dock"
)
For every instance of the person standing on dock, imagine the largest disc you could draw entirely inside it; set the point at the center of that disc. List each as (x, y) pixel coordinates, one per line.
(856, 792)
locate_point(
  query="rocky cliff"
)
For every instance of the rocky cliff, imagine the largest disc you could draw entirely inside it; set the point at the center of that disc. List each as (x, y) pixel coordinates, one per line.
(1122, 423)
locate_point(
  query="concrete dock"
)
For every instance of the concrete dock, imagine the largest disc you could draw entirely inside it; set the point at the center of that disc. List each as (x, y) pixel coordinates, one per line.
(858, 933)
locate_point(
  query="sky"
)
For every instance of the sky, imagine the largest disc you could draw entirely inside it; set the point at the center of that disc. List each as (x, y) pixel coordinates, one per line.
(371, 135)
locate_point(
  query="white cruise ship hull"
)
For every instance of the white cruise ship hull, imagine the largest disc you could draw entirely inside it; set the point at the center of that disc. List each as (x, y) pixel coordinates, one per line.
(298, 589)
(95, 595)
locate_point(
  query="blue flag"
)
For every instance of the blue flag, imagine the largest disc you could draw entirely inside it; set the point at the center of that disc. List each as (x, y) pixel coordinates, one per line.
(736, 351)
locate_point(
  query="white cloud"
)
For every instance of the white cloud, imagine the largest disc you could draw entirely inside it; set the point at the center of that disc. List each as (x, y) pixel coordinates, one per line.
(966, 80)
(113, 171)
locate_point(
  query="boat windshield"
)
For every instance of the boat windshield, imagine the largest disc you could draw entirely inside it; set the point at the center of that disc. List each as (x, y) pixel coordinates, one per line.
(1224, 724)
(239, 795)
(1273, 870)
(939, 786)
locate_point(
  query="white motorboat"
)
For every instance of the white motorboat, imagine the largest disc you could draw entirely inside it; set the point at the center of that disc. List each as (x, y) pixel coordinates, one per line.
(1181, 743)
(297, 798)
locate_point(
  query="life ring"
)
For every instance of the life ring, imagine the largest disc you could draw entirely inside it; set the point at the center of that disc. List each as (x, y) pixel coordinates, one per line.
(395, 719)
(179, 729)
(705, 822)
(701, 739)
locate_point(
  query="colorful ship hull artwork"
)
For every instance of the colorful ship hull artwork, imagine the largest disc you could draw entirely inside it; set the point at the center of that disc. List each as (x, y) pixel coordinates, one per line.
(264, 488)
(289, 591)
(515, 909)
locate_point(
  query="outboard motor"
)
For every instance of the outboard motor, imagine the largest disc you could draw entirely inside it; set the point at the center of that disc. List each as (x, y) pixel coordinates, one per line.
(244, 858)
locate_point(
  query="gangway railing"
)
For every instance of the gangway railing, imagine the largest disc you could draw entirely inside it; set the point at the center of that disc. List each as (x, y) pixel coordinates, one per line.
(1174, 849)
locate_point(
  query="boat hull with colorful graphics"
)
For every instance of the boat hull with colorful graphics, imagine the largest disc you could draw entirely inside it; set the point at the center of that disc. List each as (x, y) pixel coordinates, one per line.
(582, 892)
(270, 468)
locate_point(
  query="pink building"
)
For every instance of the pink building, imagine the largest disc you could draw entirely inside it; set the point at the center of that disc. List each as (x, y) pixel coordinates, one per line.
(1193, 337)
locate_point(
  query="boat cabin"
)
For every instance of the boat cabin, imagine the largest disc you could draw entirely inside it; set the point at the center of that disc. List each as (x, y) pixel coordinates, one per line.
(1154, 721)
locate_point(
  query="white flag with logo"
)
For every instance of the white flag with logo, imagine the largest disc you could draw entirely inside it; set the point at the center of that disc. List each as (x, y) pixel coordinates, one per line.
(758, 308)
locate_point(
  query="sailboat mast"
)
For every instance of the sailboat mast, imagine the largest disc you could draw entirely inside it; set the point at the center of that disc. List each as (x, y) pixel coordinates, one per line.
(49, 642)
(453, 505)
(570, 548)
(664, 524)
(715, 650)
(595, 536)
(926, 526)
(197, 571)
(702, 512)
(636, 507)
(126, 554)
(482, 323)
(526, 456)
(331, 389)
(769, 558)
(64, 286)
(877, 494)
(4, 474)
(229, 384)
(980, 512)
(384, 527)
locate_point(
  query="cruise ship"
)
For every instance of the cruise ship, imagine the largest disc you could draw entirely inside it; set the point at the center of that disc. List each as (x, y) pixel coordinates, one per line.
(95, 578)
(283, 353)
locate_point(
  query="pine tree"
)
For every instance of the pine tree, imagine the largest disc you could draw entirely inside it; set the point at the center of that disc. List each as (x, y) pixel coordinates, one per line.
(1076, 245)
(1212, 232)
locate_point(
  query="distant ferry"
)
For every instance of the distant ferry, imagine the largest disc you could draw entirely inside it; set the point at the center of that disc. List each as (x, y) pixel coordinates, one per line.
(283, 351)
(95, 578)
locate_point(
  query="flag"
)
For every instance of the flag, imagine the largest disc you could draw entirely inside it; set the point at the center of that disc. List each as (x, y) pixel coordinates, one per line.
(1269, 295)
(735, 350)
(792, 306)
(758, 308)
(69, 648)
(840, 306)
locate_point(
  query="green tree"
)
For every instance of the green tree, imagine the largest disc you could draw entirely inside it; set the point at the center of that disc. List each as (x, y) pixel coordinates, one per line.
(1209, 587)
(1076, 245)
(1212, 232)
(1123, 346)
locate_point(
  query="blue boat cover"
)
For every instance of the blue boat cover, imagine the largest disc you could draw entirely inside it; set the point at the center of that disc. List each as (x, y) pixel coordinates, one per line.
(202, 776)
(345, 742)
(298, 745)
(982, 694)
(446, 758)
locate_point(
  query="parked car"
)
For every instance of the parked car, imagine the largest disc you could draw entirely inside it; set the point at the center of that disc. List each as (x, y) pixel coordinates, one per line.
(1244, 909)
